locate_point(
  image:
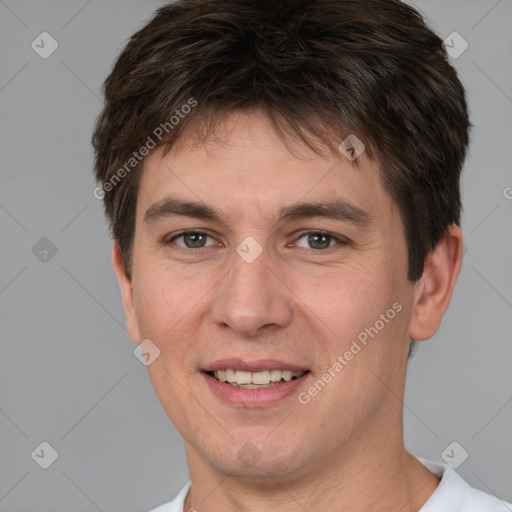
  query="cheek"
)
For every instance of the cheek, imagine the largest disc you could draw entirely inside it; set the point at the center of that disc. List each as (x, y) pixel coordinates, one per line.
(164, 303)
(167, 308)
(348, 299)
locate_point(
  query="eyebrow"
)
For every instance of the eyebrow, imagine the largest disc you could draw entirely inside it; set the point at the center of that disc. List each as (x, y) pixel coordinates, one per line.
(335, 209)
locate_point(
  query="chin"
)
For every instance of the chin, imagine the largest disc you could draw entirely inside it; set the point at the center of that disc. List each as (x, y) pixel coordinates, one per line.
(263, 463)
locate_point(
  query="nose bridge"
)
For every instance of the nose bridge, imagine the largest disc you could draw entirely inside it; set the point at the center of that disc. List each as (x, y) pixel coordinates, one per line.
(251, 297)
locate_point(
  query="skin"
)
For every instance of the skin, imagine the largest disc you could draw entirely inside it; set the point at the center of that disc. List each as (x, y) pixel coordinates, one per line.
(344, 450)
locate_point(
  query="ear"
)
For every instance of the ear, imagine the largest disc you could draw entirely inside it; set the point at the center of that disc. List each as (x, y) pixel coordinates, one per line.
(433, 292)
(125, 284)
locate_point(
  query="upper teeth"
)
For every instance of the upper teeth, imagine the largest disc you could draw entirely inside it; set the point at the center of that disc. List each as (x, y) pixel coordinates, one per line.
(264, 377)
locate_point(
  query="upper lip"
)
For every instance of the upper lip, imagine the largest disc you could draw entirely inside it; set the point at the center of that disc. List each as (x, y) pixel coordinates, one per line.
(253, 366)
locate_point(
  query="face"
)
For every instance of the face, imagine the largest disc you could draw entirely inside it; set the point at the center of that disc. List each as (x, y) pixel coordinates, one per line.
(259, 282)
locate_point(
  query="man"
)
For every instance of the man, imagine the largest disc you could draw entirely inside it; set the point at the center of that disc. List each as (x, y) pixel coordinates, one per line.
(282, 185)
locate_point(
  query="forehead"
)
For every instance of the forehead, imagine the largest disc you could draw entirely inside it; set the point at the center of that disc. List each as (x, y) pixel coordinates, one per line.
(245, 166)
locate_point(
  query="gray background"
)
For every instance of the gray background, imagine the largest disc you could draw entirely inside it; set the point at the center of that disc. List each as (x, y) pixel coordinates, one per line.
(68, 375)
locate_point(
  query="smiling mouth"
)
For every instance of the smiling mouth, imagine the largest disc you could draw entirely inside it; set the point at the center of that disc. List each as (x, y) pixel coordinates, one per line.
(255, 380)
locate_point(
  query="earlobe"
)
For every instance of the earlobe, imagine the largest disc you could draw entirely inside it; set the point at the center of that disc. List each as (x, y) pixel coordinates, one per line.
(125, 284)
(434, 290)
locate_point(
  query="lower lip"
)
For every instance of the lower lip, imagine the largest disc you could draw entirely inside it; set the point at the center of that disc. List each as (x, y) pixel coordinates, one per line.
(263, 397)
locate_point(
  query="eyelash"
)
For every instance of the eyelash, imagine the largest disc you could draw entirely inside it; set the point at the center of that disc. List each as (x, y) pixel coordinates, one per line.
(186, 250)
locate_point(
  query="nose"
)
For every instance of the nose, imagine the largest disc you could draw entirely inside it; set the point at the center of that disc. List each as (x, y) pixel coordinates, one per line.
(253, 298)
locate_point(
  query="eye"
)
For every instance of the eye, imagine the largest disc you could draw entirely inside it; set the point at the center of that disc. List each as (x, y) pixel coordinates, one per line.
(191, 239)
(315, 240)
(318, 240)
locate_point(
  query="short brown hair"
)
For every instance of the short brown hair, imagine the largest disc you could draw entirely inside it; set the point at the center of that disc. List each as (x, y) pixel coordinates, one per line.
(320, 69)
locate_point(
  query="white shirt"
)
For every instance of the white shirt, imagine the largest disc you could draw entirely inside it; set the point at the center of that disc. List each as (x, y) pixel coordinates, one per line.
(452, 494)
